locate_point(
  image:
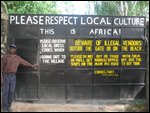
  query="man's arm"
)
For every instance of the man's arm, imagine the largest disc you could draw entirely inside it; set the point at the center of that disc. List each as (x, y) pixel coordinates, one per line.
(26, 63)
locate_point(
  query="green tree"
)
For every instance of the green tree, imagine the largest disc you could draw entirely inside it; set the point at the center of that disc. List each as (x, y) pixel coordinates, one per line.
(31, 7)
(104, 8)
(122, 8)
(65, 7)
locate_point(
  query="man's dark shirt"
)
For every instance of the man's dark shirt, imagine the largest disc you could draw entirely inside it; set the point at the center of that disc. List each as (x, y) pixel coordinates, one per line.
(10, 63)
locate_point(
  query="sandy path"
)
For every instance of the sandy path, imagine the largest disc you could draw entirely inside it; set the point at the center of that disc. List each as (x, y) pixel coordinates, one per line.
(27, 107)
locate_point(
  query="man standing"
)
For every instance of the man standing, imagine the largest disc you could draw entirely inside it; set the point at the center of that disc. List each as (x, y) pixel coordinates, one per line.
(9, 66)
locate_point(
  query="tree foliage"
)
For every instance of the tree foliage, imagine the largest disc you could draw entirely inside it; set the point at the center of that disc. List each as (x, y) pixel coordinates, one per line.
(65, 7)
(104, 8)
(31, 7)
(122, 8)
(114, 8)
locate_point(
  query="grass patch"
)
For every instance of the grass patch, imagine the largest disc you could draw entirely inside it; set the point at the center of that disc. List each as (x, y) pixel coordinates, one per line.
(137, 106)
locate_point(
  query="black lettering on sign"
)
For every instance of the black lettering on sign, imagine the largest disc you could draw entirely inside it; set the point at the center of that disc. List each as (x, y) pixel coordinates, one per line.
(130, 45)
(52, 45)
(76, 20)
(102, 45)
(42, 20)
(105, 32)
(80, 45)
(52, 59)
(50, 50)
(81, 60)
(106, 60)
(133, 60)
(129, 21)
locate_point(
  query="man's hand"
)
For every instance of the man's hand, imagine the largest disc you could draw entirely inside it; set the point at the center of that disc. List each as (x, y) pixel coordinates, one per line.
(35, 66)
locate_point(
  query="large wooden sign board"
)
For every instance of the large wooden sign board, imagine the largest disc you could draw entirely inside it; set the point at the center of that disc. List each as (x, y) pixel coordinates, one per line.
(80, 56)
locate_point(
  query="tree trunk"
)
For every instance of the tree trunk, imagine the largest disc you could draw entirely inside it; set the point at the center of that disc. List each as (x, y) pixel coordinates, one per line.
(147, 77)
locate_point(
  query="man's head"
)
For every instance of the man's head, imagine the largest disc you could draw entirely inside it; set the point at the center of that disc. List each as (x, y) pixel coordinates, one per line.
(12, 48)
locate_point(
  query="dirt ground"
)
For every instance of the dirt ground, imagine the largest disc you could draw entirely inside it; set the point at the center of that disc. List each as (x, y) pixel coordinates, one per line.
(28, 107)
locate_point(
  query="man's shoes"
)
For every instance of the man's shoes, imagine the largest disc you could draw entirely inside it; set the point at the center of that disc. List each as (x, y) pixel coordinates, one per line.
(5, 110)
(9, 110)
